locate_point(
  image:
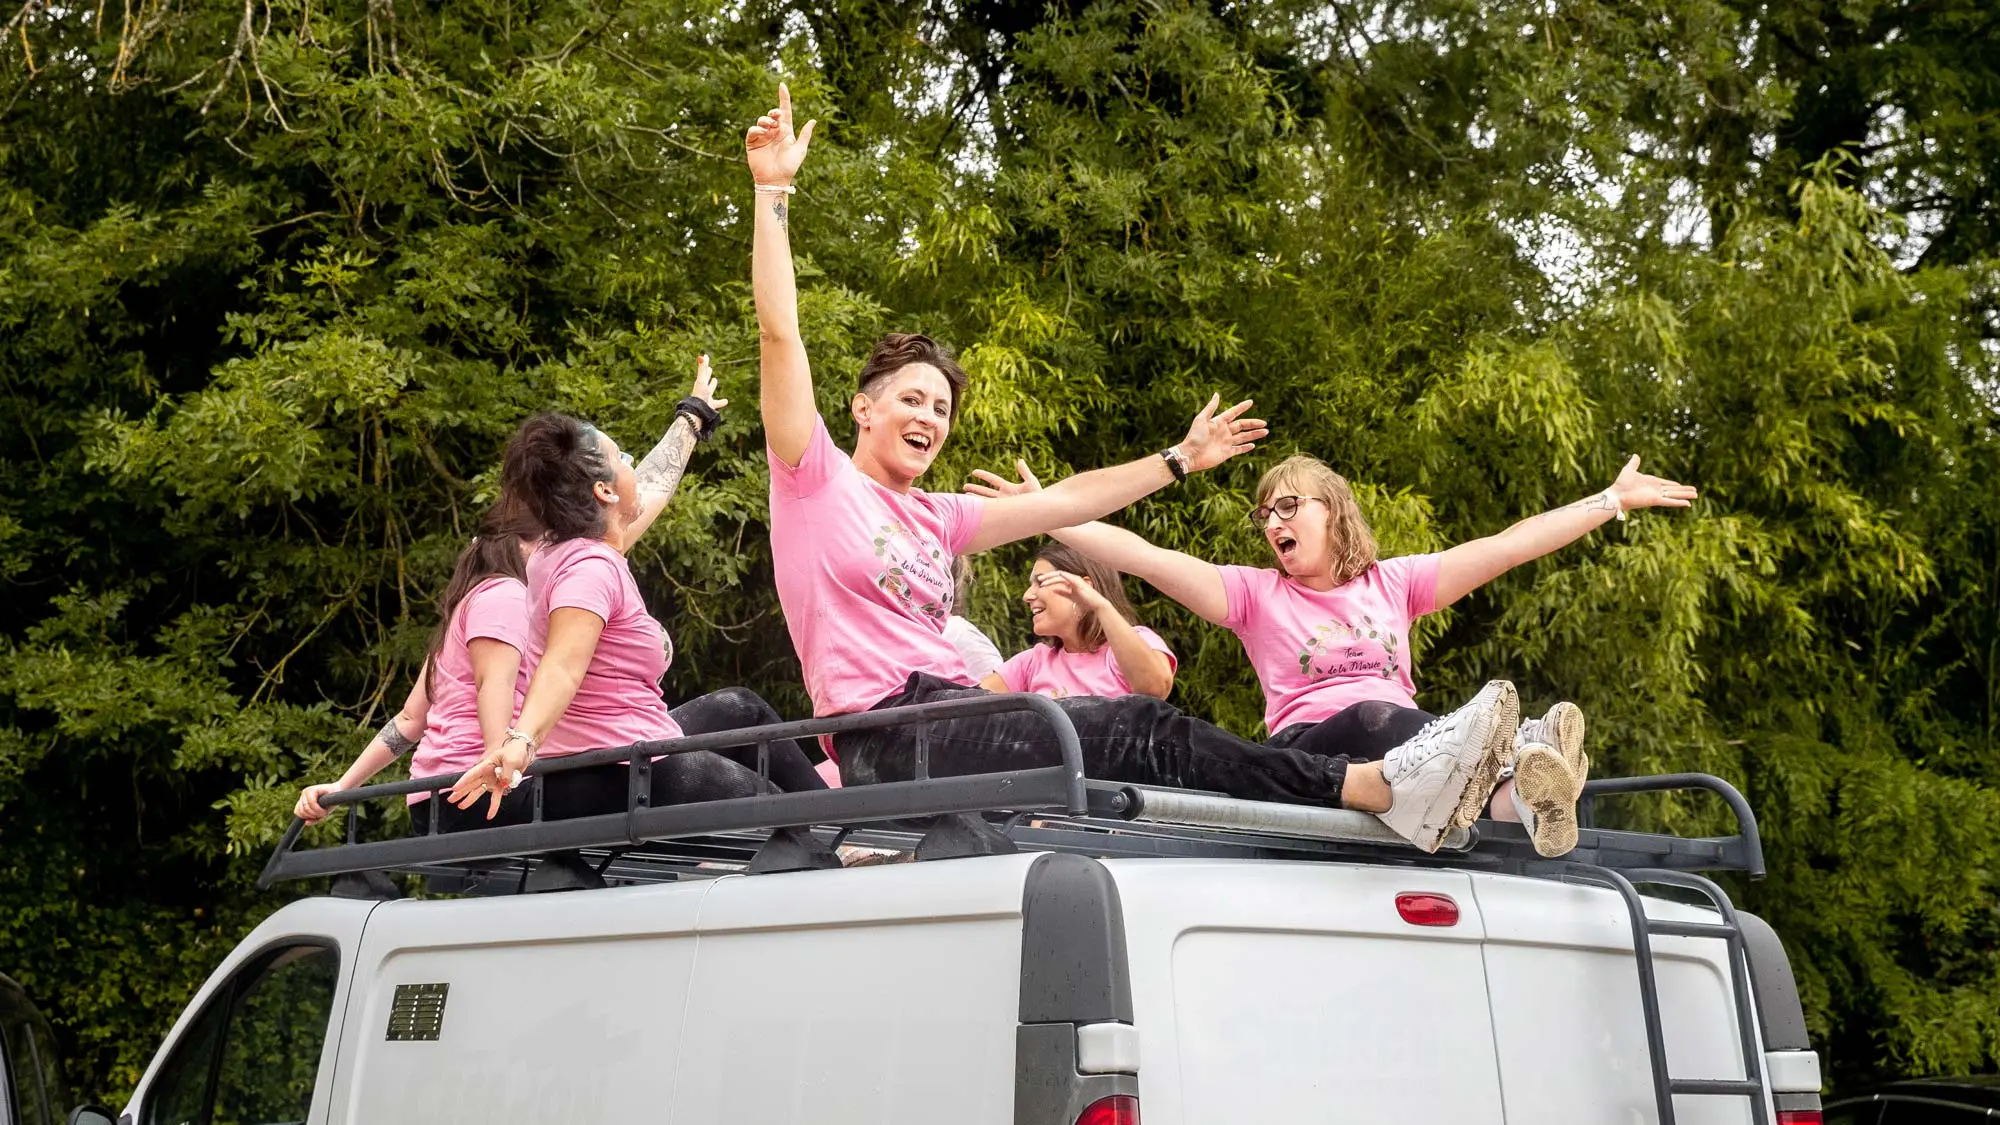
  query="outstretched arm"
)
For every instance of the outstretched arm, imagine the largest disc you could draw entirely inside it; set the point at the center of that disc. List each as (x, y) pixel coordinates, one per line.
(786, 395)
(397, 736)
(1469, 566)
(1188, 580)
(1212, 439)
(573, 635)
(660, 473)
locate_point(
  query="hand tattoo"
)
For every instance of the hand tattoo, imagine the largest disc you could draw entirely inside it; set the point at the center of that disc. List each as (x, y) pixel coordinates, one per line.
(662, 468)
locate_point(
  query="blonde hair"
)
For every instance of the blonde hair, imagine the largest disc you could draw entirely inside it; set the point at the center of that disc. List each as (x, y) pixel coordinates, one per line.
(1353, 545)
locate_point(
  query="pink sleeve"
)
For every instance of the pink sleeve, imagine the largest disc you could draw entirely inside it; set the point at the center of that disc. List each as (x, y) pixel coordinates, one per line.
(821, 461)
(1159, 645)
(961, 515)
(498, 611)
(588, 582)
(1236, 584)
(1019, 671)
(1412, 580)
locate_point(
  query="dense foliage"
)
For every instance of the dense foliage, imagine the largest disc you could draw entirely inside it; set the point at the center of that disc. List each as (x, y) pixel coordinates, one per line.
(280, 276)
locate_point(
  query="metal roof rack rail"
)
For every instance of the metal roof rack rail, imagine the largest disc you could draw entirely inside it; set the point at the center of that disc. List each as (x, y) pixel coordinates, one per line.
(1051, 808)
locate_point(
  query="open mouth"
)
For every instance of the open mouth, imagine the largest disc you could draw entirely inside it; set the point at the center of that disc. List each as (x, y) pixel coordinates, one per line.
(919, 442)
(1284, 545)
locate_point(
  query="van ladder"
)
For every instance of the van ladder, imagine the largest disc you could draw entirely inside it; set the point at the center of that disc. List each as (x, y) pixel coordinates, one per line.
(1729, 931)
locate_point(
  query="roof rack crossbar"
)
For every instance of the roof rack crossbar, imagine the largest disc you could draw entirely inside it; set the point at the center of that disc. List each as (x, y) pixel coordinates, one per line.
(1056, 788)
(1742, 852)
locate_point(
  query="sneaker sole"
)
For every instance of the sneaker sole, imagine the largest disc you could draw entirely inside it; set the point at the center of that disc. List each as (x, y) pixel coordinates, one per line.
(1498, 752)
(1565, 722)
(1545, 784)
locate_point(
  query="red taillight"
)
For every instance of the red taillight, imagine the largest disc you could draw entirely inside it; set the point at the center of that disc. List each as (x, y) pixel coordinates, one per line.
(1118, 1109)
(1425, 909)
(1798, 1117)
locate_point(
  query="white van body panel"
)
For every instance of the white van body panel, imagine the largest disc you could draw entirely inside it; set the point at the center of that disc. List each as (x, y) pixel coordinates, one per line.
(876, 995)
(336, 920)
(1295, 992)
(1566, 1014)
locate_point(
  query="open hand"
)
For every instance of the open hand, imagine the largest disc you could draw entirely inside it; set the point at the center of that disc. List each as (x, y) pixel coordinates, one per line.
(1074, 586)
(993, 485)
(705, 385)
(774, 152)
(1634, 490)
(309, 809)
(1214, 438)
(497, 774)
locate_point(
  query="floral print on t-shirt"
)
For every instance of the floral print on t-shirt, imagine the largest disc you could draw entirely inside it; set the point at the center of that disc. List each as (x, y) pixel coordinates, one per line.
(1337, 648)
(918, 574)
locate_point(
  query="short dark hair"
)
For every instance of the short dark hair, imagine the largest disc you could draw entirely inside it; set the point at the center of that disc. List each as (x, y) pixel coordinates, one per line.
(898, 350)
(1102, 578)
(552, 463)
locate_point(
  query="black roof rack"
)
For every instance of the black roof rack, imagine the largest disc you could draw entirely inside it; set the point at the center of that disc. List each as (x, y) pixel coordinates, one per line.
(1051, 808)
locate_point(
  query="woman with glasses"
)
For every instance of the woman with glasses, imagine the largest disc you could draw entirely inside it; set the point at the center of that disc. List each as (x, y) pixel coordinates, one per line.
(1327, 628)
(595, 655)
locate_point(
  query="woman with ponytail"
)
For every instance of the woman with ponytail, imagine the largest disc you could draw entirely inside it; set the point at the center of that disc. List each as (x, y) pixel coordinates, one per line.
(596, 656)
(473, 680)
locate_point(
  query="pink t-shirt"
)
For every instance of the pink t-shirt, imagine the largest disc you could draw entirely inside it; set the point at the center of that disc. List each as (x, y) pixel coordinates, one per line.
(496, 609)
(864, 576)
(1059, 673)
(1317, 654)
(618, 702)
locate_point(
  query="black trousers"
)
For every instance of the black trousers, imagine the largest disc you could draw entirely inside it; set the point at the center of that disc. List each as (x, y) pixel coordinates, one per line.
(677, 779)
(1134, 738)
(1365, 732)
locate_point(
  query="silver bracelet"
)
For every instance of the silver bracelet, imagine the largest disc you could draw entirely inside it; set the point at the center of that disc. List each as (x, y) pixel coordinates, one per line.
(392, 736)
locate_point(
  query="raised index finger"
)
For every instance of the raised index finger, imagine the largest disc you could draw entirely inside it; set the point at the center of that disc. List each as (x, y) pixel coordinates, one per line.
(784, 105)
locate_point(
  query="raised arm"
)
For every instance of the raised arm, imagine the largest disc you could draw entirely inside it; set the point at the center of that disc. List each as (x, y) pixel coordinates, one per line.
(786, 394)
(1188, 580)
(1212, 439)
(397, 737)
(660, 473)
(1468, 566)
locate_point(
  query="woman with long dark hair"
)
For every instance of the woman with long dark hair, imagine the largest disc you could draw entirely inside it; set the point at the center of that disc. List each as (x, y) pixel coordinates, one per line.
(596, 655)
(472, 681)
(1090, 640)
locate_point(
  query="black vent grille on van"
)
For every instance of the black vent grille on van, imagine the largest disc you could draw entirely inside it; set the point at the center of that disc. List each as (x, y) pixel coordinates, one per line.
(418, 1012)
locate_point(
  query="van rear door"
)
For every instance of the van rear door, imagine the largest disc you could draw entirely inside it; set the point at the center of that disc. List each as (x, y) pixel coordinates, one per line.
(1566, 1014)
(1301, 993)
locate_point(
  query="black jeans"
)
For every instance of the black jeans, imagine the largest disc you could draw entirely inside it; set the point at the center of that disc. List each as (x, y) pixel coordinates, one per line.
(1134, 738)
(678, 779)
(1364, 732)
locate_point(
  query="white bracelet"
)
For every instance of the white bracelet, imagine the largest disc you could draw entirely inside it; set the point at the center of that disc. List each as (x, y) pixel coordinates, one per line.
(1617, 505)
(777, 189)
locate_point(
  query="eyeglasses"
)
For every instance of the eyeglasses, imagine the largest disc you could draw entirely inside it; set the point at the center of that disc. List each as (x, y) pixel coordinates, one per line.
(1285, 506)
(625, 458)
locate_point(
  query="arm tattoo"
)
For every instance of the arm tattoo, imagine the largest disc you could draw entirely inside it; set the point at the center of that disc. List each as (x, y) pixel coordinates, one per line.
(393, 737)
(661, 470)
(779, 211)
(1600, 502)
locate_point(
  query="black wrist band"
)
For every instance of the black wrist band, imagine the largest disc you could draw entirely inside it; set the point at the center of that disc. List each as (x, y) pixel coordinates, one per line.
(706, 417)
(1174, 465)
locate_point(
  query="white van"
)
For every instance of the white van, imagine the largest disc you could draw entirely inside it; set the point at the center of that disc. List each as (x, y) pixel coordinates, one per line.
(1202, 960)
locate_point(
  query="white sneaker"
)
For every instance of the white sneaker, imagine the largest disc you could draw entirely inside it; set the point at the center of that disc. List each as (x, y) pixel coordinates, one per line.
(1427, 775)
(1550, 768)
(1488, 770)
